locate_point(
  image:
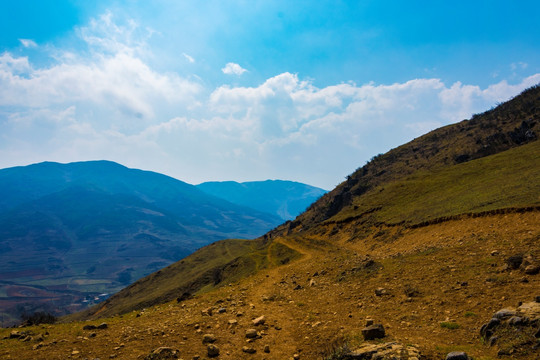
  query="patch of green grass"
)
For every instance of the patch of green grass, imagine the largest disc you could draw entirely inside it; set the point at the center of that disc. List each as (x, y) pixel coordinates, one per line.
(506, 179)
(469, 314)
(449, 325)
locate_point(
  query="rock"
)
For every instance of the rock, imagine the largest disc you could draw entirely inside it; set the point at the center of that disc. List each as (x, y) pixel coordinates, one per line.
(517, 321)
(537, 299)
(487, 329)
(89, 327)
(162, 353)
(493, 340)
(233, 322)
(209, 339)
(530, 310)
(457, 355)
(38, 346)
(266, 348)
(102, 326)
(504, 314)
(296, 356)
(369, 321)
(514, 262)
(249, 350)
(390, 350)
(372, 332)
(207, 312)
(312, 283)
(381, 291)
(251, 333)
(259, 321)
(222, 310)
(532, 269)
(212, 350)
(15, 334)
(298, 287)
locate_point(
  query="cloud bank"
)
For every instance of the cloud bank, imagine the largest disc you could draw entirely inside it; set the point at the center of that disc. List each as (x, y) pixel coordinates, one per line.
(111, 103)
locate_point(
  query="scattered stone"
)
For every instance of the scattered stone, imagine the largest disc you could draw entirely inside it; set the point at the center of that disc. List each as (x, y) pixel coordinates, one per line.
(494, 253)
(102, 326)
(296, 356)
(389, 350)
(372, 332)
(162, 353)
(381, 291)
(266, 348)
(233, 322)
(259, 321)
(369, 321)
(222, 310)
(207, 312)
(38, 346)
(209, 339)
(213, 350)
(249, 350)
(532, 269)
(89, 327)
(312, 283)
(251, 333)
(298, 287)
(15, 334)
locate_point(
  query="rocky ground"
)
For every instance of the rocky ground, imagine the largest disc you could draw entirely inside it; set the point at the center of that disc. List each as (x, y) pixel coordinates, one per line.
(419, 293)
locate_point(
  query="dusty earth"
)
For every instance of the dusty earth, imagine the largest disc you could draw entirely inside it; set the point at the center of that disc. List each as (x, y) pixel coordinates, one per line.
(431, 287)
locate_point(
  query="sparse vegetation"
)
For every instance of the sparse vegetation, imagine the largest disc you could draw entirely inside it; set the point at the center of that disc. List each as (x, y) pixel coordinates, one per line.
(449, 325)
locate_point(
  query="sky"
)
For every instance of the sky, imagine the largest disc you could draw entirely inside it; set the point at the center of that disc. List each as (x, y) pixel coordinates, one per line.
(251, 90)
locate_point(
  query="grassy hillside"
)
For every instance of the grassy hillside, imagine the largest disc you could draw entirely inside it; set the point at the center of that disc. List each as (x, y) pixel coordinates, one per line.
(213, 266)
(509, 125)
(507, 179)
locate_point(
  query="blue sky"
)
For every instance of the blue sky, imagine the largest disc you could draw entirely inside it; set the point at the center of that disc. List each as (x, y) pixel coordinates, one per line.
(251, 90)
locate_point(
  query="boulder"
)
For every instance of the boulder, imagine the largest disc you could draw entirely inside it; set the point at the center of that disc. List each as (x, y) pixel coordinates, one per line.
(457, 355)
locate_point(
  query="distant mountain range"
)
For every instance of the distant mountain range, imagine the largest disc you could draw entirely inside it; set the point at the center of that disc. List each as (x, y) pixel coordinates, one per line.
(286, 199)
(71, 232)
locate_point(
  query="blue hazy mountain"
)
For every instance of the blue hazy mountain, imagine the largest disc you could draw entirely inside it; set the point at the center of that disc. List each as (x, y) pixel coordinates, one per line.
(68, 231)
(286, 199)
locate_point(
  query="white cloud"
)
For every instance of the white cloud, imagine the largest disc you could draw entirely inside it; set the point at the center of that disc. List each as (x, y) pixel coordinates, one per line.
(27, 43)
(190, 59)
(233, 69)
(110, 102)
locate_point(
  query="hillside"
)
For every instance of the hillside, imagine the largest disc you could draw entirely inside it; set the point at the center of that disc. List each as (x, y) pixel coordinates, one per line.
(70, 232)
(430, 240)
(286, 199)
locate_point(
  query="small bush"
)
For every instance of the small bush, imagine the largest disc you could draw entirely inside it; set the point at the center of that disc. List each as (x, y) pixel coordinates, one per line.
(449, 325)
(40, 317)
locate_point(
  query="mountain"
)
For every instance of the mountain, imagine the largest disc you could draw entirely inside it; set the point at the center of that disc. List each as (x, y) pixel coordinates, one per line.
(435, 243)
(286, 199)
(70, 232)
